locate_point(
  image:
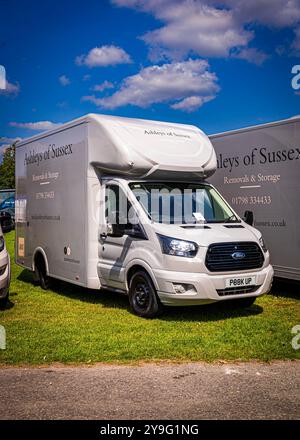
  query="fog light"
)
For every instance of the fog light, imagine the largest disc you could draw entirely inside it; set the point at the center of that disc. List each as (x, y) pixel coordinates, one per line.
(184, 288)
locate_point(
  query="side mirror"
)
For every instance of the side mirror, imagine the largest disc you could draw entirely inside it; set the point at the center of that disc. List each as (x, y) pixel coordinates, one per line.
(115, 230)
(249, 218)
(134, 231)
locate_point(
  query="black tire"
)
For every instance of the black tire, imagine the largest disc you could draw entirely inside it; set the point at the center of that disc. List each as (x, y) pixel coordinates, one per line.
(41, 273)
(143, 298)
(245, 302)
(4, 301)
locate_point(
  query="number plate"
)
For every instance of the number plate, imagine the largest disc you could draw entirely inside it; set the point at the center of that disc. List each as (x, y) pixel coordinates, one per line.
(240, 282)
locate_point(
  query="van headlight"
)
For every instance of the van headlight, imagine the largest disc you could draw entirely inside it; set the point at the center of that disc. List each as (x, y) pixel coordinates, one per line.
(180, 248)
(263, 244)
(1, 244)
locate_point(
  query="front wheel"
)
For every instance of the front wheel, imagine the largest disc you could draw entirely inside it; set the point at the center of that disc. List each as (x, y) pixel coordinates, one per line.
(143, 298)
(4, 301)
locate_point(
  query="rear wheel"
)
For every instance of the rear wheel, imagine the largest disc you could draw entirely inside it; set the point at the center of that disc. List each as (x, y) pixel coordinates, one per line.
(143, 298)
(41, 273)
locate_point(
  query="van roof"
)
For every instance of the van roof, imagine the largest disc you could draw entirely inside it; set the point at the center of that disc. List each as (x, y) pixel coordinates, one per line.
(256, 127)
(142, 147)
(98, 117)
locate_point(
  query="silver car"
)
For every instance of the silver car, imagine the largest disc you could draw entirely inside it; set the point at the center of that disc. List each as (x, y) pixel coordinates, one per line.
(4, 272)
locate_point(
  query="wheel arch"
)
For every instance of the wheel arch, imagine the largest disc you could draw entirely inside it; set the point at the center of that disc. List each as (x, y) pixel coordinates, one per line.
(134, 267)
(40, 251)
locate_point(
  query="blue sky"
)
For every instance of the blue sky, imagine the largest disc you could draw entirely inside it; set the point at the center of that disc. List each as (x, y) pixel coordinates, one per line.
(218, 64)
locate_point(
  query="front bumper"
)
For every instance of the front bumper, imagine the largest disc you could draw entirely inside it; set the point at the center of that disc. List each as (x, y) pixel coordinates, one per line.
(4, 274)
(206, 286)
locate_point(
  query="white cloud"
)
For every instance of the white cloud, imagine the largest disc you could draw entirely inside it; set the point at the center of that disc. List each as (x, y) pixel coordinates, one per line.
(6, 142)
(103, 86)
(252, 55)
(36, 126)
(273, 13)
(213, 28)
(192, 103)
(104, 56)
(277, 13)
(201, 29)
(296, 42)
(11, 89)
(164, 84)
(144, 5)
(191, 27)
(9, 141)
(64, 80)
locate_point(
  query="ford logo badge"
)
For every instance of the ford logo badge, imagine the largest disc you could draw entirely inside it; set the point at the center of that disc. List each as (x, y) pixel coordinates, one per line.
(238, 255)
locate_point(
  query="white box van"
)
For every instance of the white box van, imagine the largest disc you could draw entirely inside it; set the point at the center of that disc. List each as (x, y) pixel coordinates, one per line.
(4, 272)
(122, 204)
(259, 170)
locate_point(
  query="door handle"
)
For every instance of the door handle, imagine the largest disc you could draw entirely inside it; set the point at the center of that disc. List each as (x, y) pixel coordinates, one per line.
(103, 236)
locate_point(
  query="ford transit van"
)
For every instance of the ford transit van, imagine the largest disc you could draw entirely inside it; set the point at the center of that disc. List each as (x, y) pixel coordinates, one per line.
(124, 204)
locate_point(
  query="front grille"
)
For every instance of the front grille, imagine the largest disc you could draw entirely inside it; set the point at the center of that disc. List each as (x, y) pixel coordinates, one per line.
(237, 290)
(219, 256)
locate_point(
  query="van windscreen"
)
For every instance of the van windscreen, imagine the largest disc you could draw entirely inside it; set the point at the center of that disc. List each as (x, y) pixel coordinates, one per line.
(182, 203)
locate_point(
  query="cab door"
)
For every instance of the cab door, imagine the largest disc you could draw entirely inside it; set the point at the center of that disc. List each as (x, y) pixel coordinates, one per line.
(113, 249)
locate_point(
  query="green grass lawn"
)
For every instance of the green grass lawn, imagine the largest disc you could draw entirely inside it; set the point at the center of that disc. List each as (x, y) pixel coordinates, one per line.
(72, 325)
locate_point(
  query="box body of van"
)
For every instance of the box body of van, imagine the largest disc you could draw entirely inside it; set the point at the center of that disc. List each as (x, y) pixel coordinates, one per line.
(75, 185)
(259, 170)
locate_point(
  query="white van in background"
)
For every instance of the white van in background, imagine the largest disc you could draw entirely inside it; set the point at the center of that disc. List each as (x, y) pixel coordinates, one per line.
(259, 170)
(123, 204)
(4, 272)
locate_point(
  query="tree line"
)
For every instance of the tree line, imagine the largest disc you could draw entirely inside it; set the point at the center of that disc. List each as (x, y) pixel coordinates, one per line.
(7, 168)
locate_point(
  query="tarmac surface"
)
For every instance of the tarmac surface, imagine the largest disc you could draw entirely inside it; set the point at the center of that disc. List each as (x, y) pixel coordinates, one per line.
(153, 391)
